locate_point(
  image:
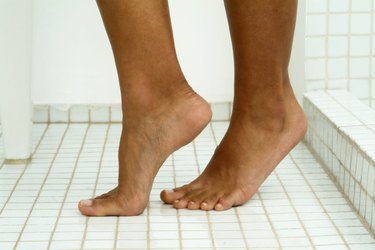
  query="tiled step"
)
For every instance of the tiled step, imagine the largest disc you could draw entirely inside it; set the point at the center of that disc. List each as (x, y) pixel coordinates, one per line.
(341, 134)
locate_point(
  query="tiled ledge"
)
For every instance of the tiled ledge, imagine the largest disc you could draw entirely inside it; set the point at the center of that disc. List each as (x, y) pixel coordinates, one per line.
(103, 113)
(341, 134)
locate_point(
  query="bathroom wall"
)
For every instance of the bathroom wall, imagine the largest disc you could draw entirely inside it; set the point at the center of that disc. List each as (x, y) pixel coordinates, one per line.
(340, 47)
(73, 63)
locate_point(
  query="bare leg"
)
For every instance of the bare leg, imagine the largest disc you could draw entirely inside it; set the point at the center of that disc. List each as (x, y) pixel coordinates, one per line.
(267, 121)
(161, 112)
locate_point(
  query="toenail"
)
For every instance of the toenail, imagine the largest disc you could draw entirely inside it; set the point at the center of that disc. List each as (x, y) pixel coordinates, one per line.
(176, 201)
(86, 203)
(191, 202)
(168, 191)
(204, 204)
(219, 206)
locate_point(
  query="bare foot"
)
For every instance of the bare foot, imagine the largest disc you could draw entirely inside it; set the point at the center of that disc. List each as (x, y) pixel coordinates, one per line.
(249, 152)
(150, 134)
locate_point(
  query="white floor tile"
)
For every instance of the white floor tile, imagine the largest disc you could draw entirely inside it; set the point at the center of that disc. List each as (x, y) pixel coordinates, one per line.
(298, 207)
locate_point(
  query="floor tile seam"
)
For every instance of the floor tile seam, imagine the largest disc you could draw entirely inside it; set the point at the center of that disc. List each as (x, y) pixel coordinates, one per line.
(67, 187)
(177, 212)
(24, 170)
(349, 22)
(206, 212)
(371, 63)
(348, 110)
(326, 71)
(296, 212)
(235, 209)
(41, 187)
(354, 146)
(364, 223)
(2, 165)
(322, 206)
(148, 229)
(274, 231)
(96, 179)
(331, 174)
(346, 135)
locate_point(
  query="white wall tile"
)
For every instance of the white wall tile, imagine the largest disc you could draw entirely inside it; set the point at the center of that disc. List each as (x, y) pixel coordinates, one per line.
(316, 25)
(116, 113)
(338, 5)
(337, 68)
(361, 5)
(99, 114)
(338, 24)
(359, 87)
(337, 84)
(315, 46)
(220, 111)
(315, 68)
(59, 113)
(360, 24)
(359, 67)
(337, 46)
(40, 113)
(359, 45)
(79, 114)
(314, 6)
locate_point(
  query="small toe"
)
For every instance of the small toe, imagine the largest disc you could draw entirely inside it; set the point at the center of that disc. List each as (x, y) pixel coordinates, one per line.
(179, 204)
(193, 205)
(224, 203)
(208, 204)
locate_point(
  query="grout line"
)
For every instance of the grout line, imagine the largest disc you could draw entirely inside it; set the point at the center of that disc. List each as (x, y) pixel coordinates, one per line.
(234, 208)
(148, 238)
(347, 137)
(295, 210)
(96, 180)
(339, 34)
(209, 224)
(116, 232)
(41, 187)
(269, 220)
(177, 210)
(68, 187)
(326, 45)
(370, 54)
(24, 170)
(348, 83)
(332, 176)
(1, 166)
(341, 57)
(320, 203)
(365, 224)
(337, 12)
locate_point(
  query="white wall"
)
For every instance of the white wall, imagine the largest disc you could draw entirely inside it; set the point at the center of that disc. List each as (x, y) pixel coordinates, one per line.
(340, 47)
(73, 63)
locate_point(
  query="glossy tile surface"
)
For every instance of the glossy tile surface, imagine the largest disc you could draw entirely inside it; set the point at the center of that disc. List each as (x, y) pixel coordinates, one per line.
(341, 134)
(340, 47)
(298, 206)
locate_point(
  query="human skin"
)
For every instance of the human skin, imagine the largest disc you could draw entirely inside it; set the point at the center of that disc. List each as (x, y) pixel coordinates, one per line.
(267, 121)
(162, 113)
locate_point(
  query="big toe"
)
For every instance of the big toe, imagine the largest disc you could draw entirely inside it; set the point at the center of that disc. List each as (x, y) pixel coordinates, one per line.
(169, 196)
(106, 207)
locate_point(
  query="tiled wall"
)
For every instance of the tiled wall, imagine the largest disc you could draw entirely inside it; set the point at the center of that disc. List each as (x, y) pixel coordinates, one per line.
(103, 113)
(340, 47)
(342, 135)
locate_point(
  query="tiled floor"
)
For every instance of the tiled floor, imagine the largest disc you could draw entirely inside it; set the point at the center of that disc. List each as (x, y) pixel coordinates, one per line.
(297, 207)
